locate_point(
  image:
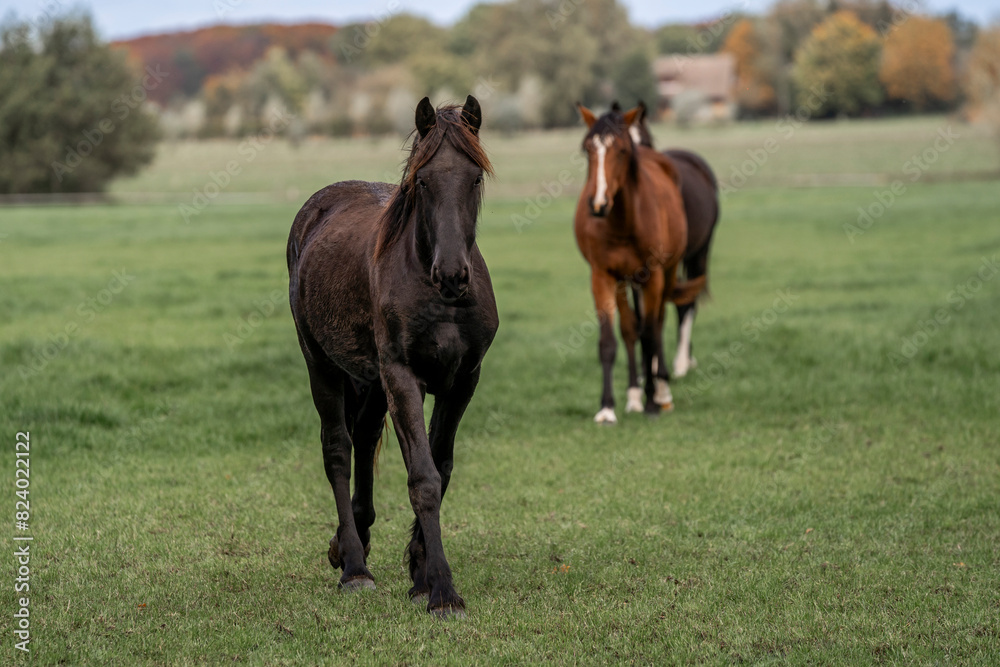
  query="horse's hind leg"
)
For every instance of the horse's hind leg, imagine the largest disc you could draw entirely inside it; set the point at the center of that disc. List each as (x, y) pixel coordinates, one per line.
(366, 434)
(346, 549)
(694, 267)
(627, 323)
(683, 360)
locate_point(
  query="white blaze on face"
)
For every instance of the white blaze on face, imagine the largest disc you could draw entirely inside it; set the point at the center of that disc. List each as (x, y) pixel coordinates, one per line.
(601, 149)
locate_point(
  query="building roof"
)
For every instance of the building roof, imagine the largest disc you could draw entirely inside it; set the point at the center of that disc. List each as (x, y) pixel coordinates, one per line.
(713, 75)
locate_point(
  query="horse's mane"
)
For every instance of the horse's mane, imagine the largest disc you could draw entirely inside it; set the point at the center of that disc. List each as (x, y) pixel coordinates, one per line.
(449, 125)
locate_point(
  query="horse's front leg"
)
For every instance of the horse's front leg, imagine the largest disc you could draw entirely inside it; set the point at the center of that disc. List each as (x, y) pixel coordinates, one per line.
(448, 410)
(628, 325)
(404, 395)
(603, 287)
(657, 387)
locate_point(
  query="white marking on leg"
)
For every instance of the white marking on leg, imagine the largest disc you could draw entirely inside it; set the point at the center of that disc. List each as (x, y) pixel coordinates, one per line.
(656, 364)
(606, 416)
(601, 195)
(683, 361)
(634, 400)
(663, 397)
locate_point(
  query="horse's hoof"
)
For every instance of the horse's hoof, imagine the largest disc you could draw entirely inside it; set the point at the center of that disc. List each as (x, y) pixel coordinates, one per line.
(634, 400)
(662, 396)
(420, 599)
(606, 416)
(669, 407)
(357, 584)
(448, 613)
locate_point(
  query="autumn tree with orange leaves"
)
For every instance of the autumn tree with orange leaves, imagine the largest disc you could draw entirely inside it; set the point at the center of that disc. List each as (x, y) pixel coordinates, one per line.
(836, 69)
(917, 63)
(754, 88)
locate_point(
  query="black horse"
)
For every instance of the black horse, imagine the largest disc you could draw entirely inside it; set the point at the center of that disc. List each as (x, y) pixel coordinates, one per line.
(392, 300)
(700, 192)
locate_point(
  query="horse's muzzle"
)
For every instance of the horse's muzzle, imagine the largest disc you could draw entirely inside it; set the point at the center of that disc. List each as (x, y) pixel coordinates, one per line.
(598, 211)
(452, 287)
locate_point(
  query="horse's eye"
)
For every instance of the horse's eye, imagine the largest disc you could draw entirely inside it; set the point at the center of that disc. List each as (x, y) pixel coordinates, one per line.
(478, 181)
(422, 184)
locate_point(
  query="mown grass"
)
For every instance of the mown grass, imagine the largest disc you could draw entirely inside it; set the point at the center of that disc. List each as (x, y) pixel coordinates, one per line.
(822, 494)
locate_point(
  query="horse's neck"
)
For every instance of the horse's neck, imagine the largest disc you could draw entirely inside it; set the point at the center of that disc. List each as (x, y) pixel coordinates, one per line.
(622, 217)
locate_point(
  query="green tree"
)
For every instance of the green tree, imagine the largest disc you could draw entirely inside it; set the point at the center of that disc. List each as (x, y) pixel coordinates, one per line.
(71, 114)
(387, 42)
(634, 79)
(836, 69)
(675, 37)
(574, 48)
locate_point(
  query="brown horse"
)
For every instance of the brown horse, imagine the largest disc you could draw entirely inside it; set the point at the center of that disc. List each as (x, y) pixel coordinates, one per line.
(631, 228)
(392, 300)
(700, 192)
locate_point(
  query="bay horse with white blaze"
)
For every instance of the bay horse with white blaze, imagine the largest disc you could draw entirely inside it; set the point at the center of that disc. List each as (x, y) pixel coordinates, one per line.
(631, 228)
(700, 192)
(392, 300)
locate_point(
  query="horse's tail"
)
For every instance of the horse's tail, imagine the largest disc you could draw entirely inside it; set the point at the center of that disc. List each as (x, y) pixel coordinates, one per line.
(687, 292)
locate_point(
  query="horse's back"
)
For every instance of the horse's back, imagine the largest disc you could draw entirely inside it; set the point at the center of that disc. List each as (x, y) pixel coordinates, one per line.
(329, 210)
(699, 190)
(329, 253)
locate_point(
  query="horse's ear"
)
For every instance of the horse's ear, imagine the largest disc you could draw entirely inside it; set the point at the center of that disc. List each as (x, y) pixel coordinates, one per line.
(472, 114)
(615, 106)
(642, 110)
(630, 116)
(426, 117)
(588, 116)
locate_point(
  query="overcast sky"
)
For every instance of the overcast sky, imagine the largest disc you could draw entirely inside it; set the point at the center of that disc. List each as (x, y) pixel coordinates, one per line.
(117, 19)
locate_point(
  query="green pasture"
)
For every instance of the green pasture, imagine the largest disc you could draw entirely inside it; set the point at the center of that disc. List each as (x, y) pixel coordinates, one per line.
(827, 490)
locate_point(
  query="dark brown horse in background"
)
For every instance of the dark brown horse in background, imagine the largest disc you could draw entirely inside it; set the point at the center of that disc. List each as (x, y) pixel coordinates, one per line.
(700, 192)
(392, 300)
(631, 228)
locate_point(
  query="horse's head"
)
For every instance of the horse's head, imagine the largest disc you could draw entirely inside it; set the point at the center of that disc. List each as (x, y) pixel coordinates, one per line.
(638, 130)
(442, 188)
(610, 156)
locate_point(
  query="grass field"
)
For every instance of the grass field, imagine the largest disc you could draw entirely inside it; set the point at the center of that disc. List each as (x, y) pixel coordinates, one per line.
(826, 492)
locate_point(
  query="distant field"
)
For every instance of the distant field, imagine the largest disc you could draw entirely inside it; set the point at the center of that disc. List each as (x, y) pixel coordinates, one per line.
(283, 173)
(826, 494)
